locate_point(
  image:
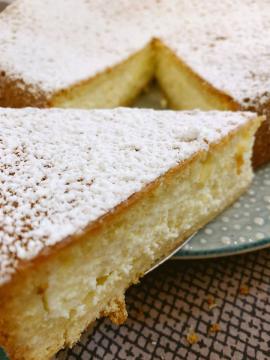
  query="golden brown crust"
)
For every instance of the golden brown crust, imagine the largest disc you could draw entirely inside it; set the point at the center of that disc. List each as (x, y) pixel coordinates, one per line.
(261, 152)
(116, 311)
(9, 345)
(18, 94)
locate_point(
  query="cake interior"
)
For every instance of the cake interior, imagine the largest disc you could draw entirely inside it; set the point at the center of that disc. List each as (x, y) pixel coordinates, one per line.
(183, 88)
(121, 84)
(68, 290)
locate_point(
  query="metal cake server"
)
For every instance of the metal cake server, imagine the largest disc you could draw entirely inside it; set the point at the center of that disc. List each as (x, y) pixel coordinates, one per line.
(174, 251)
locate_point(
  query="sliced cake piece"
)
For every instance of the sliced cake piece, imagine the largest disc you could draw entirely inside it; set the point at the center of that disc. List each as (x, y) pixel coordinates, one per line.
(92, 199)
(83, 54)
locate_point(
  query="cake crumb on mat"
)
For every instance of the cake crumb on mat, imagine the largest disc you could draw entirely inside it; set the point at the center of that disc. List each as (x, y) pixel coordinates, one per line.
(244, 289)
(211, 302)
(214, 328)
(192, 337)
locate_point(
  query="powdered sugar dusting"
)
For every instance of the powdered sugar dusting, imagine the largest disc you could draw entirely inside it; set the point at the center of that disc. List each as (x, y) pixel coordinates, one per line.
(61, 170)
(226, 42)
(69, 40)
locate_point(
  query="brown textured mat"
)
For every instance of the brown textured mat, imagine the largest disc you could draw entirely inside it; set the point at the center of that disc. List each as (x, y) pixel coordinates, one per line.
(176, 298)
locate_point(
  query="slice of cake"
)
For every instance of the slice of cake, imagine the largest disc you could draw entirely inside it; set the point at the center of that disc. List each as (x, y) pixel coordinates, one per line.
(88, 54)
(92, 199)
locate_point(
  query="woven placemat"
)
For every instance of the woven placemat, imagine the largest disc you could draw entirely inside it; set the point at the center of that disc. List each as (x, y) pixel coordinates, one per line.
(222, 305)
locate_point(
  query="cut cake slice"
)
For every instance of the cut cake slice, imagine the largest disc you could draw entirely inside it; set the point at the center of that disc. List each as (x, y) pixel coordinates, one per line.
(92, 199)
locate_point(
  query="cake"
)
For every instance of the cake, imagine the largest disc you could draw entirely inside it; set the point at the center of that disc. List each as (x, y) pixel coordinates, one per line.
(96, 54)
(91, 199)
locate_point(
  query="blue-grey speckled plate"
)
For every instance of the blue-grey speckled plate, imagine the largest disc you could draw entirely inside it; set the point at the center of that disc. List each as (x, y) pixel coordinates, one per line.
(243, 227)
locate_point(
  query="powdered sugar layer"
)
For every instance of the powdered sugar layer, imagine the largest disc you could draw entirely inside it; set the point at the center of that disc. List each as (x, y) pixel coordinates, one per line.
(226, 42)
(61, 170)
(69, 40)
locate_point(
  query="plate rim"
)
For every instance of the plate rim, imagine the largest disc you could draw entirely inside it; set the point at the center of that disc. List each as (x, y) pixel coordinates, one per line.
(223, 251)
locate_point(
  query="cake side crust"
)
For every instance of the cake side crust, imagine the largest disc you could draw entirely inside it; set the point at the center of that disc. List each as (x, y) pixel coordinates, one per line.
(261, 153)
(18, 94)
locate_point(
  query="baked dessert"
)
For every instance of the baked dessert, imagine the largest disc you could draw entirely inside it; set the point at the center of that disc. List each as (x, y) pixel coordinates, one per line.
(92, 199)
(91, 54)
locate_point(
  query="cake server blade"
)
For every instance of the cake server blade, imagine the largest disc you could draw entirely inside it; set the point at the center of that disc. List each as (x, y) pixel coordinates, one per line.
(167, 257)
